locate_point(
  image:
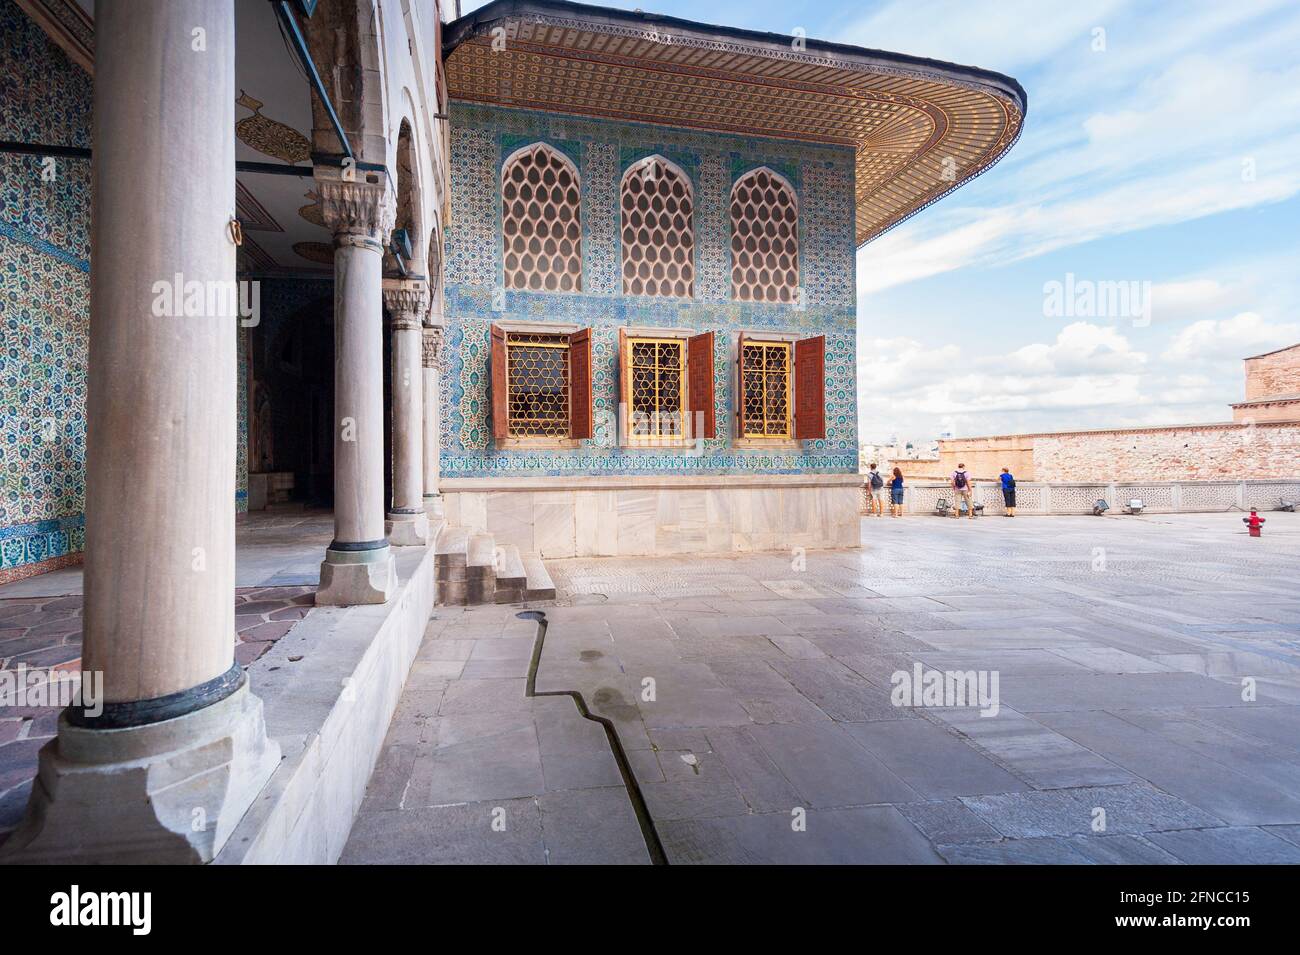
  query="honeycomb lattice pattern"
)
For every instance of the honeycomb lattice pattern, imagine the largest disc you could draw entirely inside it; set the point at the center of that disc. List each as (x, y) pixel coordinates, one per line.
(657, 382)
(540, 224)
(764, 239)
(765, 374)
(658, 231)
(537, 386)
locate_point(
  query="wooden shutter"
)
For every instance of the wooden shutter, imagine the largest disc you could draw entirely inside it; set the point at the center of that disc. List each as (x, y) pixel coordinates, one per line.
(500, 400)
(580, 416)
(624, 397)
(740, 386)
(810, 388)
(699, 383)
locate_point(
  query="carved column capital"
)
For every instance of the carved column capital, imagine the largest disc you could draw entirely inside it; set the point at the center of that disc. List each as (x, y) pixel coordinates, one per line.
(407, 301)
(432, 345)
(359, 209)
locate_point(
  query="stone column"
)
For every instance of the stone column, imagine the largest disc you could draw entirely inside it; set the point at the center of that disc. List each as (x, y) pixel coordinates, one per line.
(432, 416)
(160, 764)
(358, 566)
(407, 301)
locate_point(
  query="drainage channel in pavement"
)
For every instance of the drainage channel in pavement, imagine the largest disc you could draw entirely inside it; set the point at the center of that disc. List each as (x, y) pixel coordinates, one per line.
(653, 844)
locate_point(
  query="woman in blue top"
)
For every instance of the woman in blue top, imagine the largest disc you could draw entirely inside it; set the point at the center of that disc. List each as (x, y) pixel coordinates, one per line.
(896, 494)
(1009, 492)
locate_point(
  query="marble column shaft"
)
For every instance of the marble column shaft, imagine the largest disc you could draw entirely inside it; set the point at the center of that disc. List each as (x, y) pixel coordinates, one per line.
(407, 302)
(360, 214)
(432, 410)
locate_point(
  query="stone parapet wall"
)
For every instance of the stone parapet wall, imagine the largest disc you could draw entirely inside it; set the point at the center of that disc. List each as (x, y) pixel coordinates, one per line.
(1063, 498)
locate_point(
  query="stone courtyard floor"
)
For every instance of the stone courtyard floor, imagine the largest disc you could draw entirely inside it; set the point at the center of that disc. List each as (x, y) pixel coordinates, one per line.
(752, 696)
(40, 629)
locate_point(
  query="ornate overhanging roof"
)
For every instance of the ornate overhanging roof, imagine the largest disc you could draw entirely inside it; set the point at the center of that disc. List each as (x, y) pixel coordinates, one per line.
(920, 128)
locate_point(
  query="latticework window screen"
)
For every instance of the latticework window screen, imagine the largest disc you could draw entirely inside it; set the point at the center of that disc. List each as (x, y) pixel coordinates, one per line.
(656, 386)
(658, 231)
(764, 239)
(537, 385)
(765, 389)
(540, 225)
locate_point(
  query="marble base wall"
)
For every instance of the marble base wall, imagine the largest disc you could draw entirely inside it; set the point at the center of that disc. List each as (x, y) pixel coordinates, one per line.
(612, 518)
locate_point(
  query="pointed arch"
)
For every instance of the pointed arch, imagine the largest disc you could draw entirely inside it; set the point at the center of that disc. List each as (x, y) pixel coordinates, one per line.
(657, 226)
(764, 238)
(541, 226)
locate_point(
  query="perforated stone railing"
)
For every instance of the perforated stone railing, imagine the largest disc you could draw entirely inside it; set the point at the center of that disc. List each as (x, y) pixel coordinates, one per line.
(1157, 497)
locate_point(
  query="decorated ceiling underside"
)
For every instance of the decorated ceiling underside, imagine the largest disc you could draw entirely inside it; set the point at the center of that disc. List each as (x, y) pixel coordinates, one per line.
(920, 128)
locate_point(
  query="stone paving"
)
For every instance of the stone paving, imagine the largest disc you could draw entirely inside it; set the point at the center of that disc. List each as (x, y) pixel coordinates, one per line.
(753, 697)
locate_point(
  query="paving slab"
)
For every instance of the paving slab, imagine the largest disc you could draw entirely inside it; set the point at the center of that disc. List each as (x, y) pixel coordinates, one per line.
(1230, 846)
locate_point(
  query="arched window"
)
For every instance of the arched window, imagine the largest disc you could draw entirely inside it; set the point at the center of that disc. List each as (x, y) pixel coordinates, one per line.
(658, 227)
(540, 227)
(764, 238)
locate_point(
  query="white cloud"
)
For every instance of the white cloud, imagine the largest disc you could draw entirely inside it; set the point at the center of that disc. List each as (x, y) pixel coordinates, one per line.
(1200, 116)
(1231, 339)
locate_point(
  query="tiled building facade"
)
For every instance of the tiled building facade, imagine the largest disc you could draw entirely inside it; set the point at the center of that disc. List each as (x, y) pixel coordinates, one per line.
(44, 302)
(822, 176)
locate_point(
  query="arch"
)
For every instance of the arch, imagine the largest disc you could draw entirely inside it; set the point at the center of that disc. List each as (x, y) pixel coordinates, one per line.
(435, 268)
(348, 34)
(541, 224)
(657, 227)
(410, 198)
(764, 212)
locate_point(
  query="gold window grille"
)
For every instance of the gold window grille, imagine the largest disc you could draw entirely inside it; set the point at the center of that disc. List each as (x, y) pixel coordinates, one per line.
(764, 239)
(541, 228)
(537, 385)
(655, 385)
(765, 384)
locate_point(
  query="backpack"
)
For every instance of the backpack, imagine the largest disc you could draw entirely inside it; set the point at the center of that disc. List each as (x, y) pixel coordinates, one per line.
(959, 479)
(877, 482)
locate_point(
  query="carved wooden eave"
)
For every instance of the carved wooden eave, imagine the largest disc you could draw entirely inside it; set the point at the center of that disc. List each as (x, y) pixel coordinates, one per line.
(920, 128)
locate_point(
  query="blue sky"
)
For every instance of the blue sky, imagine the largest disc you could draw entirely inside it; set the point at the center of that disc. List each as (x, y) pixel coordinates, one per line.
(1164, 149)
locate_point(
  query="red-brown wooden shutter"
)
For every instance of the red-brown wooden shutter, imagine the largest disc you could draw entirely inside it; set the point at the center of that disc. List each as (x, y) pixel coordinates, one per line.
(810, 388)
(500, 400)
(624, 388)
(740, 386)
(699, 383)
(580, 416)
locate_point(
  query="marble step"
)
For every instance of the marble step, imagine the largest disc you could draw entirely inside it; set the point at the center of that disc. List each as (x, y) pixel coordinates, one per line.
(449, 553)
(539, 586)
(512, 580)
(480, 556)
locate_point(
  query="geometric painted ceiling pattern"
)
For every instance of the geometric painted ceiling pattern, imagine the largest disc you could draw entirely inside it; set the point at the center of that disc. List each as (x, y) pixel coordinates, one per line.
(920, 128)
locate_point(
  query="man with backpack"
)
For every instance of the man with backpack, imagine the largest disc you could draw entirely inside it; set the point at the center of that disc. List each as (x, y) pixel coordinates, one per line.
(876, 484)
(961, 489)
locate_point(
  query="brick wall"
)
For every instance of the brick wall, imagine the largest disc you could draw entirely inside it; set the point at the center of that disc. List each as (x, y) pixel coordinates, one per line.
(1273, 375)
(1216, 452)
(1190, 453)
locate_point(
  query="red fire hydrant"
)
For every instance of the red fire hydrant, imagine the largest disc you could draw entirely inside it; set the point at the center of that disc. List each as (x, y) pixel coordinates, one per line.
(1254, 522)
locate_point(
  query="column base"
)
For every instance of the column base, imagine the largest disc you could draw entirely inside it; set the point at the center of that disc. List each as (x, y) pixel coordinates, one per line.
(170, 792)
(433, 505)
(350, 578)
(407, 530)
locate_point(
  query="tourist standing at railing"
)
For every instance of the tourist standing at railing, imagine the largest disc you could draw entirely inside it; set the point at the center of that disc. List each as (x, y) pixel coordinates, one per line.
(961, 489)
(876, 485)
(1009, 492)
(896, 494)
